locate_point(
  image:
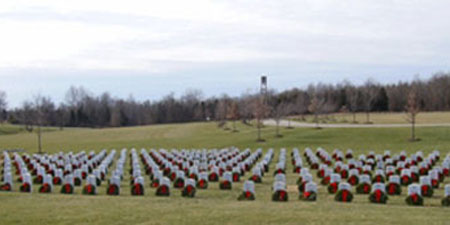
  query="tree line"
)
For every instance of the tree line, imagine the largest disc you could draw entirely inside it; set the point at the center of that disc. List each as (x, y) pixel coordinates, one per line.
(81, 108)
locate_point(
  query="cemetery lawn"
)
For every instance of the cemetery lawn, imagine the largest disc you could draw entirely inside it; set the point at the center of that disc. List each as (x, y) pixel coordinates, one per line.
(213, 206)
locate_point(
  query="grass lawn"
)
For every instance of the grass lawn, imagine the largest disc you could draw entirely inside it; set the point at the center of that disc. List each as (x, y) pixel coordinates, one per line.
(213, 206)
(379, 118)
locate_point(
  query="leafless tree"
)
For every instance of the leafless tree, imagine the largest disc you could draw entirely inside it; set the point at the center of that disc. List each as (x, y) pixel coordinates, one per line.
(42, 107)
(222, 111)
(327, 108)
(26, 115)
(344, 111)
(289, 109)
(279, 112)
(352, 97)
(412, 109)
(301, 105)
(370, 93)
(233, 114)
(260, 111)
(3, 105)
(245, 106)
(315, 108)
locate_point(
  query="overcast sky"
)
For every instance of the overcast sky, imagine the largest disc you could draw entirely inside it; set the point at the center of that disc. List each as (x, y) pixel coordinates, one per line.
(151, 48)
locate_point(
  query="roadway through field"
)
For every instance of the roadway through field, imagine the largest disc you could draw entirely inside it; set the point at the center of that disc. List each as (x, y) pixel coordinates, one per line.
(285, 123)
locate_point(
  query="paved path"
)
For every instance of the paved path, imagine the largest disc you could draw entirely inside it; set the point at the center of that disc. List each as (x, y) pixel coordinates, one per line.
(284, 123)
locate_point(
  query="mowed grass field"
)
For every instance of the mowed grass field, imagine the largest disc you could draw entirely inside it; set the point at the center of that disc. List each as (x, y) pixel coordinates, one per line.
(379, 118)
(214, 206)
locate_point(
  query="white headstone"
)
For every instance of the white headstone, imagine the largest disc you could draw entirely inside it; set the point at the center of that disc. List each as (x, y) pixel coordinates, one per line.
(414, 189)
(434, 174)
(279, 186)
(249, 186)
(379, 186)
(307, 178)
(280, 178)
(335, 178)
(165, 182)
(406, 172)
(447, 190)
(180, 174)
(139, 180)
(68, 179)
(203, 176)
(425, 180)
(189, 182)
(92, 180)
(304, 171)
(344, 186)
(27, 178)
(364, 179)
(311, 187)
(7, 179)
(327, 172)
(59, 173)
(256, 171)
(115, 180)
(228, 176)
(394, 179)
(353, 172)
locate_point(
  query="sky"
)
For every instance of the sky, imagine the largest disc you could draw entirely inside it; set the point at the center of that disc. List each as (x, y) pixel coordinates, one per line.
(148, 49)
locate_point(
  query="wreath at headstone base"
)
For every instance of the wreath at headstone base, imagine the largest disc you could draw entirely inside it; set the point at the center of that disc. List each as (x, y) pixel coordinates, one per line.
(45, 188)
(308, 196)
(89, 189)
(332, 188)
(188, 191)
(280, 196)
(202, 184)
(378, 197)
(25, 188)
(162, 190)
(414, 199)
(113, 190)
(67, 189)
(363, 188)
(225, 185)
(246, 195)
(394, 189)
(427, 190)
(343, 196)
(446, 201)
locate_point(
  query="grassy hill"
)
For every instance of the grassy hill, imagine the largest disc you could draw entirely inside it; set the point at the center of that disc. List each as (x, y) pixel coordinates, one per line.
(208, 135)
(214, 206)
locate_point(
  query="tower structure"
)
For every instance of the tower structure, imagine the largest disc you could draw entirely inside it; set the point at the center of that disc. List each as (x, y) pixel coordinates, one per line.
(263, 88)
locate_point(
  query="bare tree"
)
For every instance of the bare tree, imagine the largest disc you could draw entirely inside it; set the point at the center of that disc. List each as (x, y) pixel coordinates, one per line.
(352, 99)
(61, 116)
(289, 110)
(327, 108)
(27, 115)
(233, 114)
(344, 111)
(221, 111)
(301, 104)
(412, 109)
(315, 108)
(260, 111)
(279, 112)
(3, 105)
(370, 94)
(39, 116)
